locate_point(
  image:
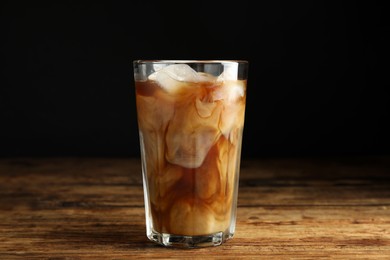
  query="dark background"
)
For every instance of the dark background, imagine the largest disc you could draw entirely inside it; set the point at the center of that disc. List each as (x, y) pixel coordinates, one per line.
(317, 80)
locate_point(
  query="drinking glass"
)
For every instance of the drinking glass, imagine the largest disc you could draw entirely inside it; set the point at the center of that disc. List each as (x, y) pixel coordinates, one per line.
(190, 116)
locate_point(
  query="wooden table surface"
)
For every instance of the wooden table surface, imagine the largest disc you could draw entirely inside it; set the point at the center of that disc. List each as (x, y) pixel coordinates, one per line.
(298, 208)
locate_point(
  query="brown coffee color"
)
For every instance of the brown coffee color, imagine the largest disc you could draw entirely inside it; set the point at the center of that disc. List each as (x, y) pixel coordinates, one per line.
(191, 141)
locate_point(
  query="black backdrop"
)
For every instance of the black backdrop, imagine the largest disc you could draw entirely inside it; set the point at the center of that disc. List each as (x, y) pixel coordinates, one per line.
(317, 79)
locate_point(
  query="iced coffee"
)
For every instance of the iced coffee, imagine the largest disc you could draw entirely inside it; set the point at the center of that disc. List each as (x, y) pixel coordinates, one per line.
(190, 118)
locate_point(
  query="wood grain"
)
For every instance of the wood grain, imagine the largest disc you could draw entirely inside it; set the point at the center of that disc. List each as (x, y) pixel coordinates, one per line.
(298, 208)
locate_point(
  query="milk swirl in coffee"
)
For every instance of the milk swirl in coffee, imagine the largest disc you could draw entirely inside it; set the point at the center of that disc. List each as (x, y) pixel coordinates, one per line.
(190, 126)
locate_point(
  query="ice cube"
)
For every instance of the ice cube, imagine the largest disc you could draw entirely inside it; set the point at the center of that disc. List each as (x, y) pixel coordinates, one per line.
(235, 90)
(230, 72)
(232, 117)
(189, 148)
(190, 136)
(230, 91)
(173, 77)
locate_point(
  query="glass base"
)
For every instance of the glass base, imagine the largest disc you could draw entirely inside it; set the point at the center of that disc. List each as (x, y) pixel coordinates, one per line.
(170, 240)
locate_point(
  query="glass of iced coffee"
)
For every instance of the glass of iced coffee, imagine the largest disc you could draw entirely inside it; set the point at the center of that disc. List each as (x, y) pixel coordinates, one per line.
(190, 119)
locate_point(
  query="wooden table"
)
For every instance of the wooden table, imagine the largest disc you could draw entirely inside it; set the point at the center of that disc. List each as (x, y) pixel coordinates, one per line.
(298, 208)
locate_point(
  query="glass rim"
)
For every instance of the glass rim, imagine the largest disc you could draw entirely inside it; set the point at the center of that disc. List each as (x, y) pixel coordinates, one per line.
(190, 61)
